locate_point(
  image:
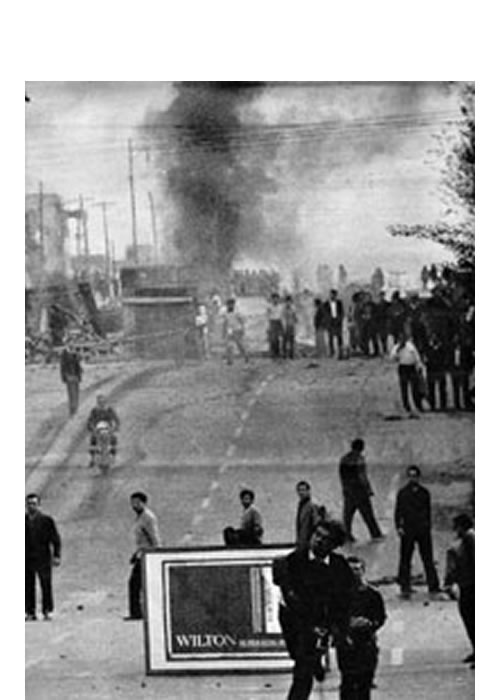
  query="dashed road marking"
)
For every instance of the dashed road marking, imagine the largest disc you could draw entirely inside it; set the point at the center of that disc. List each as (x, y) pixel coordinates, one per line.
(225, 464)
(397, 656)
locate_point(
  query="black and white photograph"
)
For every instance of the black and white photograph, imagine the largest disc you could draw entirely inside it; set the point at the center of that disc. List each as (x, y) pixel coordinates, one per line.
(249, 390)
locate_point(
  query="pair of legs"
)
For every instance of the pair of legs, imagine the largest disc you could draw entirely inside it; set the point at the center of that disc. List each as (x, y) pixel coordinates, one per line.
(235, 340)
(466, 608)
(135, 590)
(301, 644)
(73, 389)
(320, 339)
(289, 342)
(424, 542)
(352, 503)
(357, 665)
(275, 339)
(460, 380)
(369, 339)
(237, 537)
(408, 379)
(44, 574)
(335, 332)
(437, 380)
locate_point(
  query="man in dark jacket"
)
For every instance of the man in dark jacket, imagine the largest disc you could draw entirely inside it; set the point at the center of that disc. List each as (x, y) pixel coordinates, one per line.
(316, 586)
(334, 317)
(413, 523)
(435, 357)
(308, 515)
(71, 375)
(461, 572)
(42, 551)
(357, 490)
(357, 652)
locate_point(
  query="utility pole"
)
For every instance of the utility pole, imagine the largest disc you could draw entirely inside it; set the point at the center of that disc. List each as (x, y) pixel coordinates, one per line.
(107, 246)
(132, 201)
(153, 226)
(86, 248)
(41, 223)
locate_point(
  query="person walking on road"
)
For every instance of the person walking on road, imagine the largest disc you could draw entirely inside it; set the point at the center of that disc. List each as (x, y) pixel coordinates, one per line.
(357, 652)
(461, 572)
(412, 517)
(308, 515)
(357, 490)
(146, 536)
(250, 531)
(233, 332)
(42, 552)
(71, 375)
(316, 586)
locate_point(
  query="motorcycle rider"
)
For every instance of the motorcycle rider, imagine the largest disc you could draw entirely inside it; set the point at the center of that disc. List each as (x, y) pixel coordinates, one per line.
(102, 412)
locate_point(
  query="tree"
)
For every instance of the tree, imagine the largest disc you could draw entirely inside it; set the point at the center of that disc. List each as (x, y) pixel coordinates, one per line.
(459, 189)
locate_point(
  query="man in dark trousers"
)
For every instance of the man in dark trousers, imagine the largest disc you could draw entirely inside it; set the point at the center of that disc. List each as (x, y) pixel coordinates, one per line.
(308, 515)
(316, 587)
(357, 490)
(42, 551)
(412, 518)
(461, 572)
(71, 375)
(357, 652)
(147, 536)
(435, 358)
(334, 317)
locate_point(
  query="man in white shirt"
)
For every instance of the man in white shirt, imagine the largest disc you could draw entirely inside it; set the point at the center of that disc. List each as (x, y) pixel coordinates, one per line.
(146, 536)
(409, 366)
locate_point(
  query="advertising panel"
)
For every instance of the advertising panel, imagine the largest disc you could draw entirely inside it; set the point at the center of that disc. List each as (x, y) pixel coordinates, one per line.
(212, 609)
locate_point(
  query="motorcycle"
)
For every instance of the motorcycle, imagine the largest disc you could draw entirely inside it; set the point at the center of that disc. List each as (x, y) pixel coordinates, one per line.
(105, 446)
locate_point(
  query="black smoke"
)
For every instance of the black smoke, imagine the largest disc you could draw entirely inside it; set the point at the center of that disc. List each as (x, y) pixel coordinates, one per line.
(203, 153)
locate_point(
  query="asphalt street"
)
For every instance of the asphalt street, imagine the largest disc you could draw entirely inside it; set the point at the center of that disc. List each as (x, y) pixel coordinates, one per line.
(191, 437)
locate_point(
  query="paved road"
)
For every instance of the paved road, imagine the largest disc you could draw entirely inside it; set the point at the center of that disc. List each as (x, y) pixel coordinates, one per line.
(191, 437)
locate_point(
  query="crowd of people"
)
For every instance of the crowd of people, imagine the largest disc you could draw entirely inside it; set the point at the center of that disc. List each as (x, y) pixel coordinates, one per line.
(325, 597)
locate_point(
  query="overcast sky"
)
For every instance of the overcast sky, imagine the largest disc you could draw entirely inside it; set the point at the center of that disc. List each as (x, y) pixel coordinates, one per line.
(353, 159)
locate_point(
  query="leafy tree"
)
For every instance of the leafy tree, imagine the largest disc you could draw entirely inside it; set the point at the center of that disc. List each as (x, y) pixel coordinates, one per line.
(459, 188)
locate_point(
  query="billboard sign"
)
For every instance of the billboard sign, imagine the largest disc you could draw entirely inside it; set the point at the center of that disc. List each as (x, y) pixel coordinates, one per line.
(212, 609)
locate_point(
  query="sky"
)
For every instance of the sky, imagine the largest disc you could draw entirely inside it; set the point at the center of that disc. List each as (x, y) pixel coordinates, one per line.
(350, 160)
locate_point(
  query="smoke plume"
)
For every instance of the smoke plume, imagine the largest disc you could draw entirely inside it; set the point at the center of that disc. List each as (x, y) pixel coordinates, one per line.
(201, 147)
